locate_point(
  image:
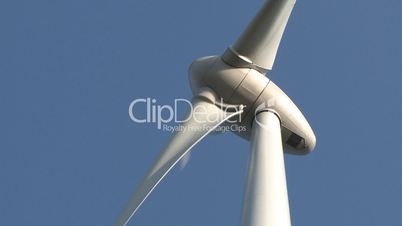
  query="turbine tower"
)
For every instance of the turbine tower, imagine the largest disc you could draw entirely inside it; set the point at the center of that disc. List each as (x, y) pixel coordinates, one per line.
(233, 89)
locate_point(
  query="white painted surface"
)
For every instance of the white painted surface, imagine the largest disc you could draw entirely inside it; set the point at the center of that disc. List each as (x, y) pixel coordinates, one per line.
(266, 199)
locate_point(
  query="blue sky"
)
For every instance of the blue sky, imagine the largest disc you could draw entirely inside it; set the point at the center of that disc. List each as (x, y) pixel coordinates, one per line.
(69, 154)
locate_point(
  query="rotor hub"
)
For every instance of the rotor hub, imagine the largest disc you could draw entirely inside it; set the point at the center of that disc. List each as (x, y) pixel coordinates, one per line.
(249, 87)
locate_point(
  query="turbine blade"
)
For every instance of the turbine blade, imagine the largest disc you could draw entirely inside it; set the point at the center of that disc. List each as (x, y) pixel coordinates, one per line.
(193, 130)
(185, 160)
(258, 45)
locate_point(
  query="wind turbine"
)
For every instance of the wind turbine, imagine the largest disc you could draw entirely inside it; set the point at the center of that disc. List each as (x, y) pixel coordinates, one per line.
(235, 85)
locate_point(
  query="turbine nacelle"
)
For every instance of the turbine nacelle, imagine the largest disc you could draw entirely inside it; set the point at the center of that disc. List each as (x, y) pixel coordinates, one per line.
(249, 87)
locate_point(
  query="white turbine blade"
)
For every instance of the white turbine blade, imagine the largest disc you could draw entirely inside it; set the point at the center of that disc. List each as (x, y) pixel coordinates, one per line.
(260, 41)
(185, 160)
(194, 130)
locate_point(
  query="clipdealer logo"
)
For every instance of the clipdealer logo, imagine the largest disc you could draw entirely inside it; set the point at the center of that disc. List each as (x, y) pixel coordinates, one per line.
(155, 113)
(164, 115)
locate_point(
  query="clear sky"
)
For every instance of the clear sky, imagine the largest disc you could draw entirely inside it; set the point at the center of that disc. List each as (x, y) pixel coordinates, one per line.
(69, 154)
